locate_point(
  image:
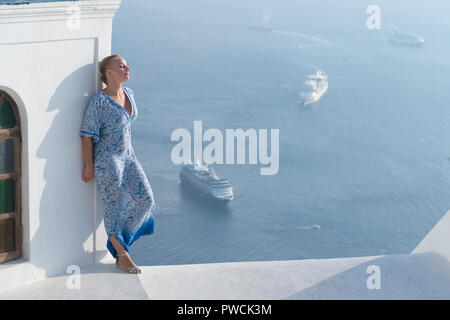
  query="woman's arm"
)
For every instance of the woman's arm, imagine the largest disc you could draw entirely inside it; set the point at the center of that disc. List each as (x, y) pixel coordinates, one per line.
(88, 173)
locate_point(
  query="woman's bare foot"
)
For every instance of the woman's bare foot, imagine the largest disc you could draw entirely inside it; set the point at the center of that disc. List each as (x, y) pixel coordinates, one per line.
(125, 263)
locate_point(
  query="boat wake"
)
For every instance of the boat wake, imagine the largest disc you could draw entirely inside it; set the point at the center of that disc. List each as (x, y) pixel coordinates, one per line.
(311, 227)
(314, 226)
(318, 41)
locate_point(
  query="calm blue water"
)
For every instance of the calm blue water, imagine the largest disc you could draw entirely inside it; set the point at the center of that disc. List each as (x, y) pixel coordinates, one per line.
(368, 163)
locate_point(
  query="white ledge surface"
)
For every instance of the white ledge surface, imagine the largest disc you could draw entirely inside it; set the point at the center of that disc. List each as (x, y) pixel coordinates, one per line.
(406, 276)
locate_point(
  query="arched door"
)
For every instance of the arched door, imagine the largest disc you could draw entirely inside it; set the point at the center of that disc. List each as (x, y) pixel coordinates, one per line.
(10, 172)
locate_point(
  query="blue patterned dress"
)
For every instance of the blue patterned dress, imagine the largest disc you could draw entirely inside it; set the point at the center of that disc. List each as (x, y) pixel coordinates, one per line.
(127, 195)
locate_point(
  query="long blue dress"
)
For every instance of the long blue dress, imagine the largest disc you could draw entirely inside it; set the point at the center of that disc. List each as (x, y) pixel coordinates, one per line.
(127, 195)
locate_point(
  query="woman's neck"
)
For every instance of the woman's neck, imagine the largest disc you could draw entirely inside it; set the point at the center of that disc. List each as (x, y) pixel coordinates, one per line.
(114, 90)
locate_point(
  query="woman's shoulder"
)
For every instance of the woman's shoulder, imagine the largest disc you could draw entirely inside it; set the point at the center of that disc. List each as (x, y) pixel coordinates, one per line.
(97, 98)
(129, 90)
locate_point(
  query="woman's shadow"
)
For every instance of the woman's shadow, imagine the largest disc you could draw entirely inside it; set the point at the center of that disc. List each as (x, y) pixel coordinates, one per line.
(66, 207)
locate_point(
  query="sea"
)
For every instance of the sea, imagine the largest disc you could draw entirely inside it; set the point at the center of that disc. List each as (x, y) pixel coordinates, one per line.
(364, 171)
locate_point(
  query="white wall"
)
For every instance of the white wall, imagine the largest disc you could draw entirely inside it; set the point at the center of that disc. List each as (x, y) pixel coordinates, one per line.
(437, 239)
(51, 70)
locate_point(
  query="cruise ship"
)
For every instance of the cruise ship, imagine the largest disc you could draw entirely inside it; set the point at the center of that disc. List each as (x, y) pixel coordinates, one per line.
(314, 87)
(260, 27)
(207, 182)
(406, 39)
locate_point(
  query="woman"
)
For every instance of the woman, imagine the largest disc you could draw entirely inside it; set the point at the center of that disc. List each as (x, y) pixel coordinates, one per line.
(109, 156)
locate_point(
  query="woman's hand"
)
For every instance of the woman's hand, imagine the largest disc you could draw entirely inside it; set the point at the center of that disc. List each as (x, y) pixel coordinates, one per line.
(88, 174)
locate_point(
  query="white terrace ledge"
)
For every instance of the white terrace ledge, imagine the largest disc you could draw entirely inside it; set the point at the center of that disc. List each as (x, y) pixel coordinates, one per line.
(419, 275)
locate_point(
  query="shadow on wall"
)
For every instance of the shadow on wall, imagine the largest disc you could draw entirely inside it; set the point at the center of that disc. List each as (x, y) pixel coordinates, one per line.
(66, 221)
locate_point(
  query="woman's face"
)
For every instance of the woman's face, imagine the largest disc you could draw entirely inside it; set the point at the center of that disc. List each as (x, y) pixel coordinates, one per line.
(118, 70)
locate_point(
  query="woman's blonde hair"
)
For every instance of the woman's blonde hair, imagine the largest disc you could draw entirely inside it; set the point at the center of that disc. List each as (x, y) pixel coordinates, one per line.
(106, 62)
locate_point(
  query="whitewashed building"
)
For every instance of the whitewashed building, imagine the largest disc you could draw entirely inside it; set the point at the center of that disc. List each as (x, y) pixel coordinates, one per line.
(49, 57)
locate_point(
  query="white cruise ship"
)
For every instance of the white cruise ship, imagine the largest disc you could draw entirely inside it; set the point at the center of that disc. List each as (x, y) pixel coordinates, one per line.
(406, 39)
(260, 27)
(207, 182)
(313, 88)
